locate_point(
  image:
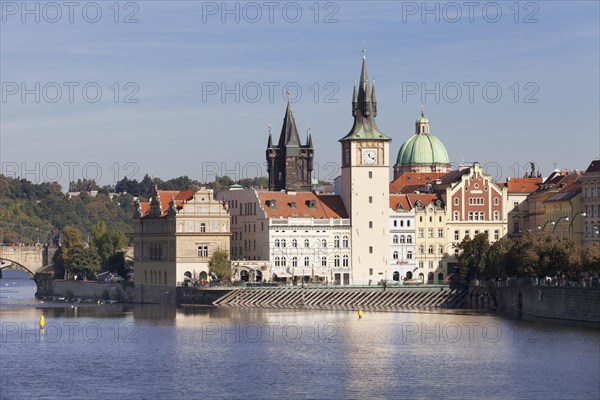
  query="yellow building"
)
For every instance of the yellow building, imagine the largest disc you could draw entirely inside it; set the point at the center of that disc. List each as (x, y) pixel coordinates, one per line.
(176, 234)
(563, 211)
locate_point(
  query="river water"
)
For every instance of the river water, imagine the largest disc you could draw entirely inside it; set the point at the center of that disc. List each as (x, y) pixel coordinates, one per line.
(97, 351)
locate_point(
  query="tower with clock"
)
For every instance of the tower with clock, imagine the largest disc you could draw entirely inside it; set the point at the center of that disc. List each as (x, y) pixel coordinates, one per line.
(365, 185)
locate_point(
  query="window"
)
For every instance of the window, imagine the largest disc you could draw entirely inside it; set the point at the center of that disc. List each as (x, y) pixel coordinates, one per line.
(481, 216)
(370, 224)
(202, 227)
(282, 242)
(277, 243)
(467, 234)
(430, 232)
(496, 201)
(277, 262)
(430, 264)
(294, 261)
(421, 249)
(345, 241)
(440, 249)
(306, 243)
(395, 255)
(420, 264)
(421, 219)
(402, 240)
(440, 233)
(409, 255)
(395, 239)
(370, 199)
(496, 234)
(421, 232)
(395, 223)
(456, 201)
(516, 227)
(430, 249)
(370, 175)
(496, 215)
(323, 261)
(283, 261)
(202, 251)
(470, 215)
(516, 205)
(408, 223)
(324, 243)
(306, 261)
(336, 242)
(456, 215)
(370, 271)
(345, 260)
(456, 237)
(294, 243)
(409, 239)
(401, 222)
(371, 249)
(336, 260)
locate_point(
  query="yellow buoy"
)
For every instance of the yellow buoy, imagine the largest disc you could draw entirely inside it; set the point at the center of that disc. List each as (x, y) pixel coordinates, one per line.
(42, 322)
(359, 313)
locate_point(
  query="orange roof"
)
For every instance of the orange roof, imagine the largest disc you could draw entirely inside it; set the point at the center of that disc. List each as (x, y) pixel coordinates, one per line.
(409, 182)
(165, 197)
(399, 200)
(298, 205)
(425, 198)
(523, 185)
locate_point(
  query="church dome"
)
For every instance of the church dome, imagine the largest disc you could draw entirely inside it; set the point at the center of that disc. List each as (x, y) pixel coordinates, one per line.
(422, 147)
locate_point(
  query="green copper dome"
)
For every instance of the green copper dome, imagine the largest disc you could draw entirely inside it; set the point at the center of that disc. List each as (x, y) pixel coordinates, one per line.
(422, 147)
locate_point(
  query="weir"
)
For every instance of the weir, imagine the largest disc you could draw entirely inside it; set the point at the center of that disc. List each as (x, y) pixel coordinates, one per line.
(367, 298)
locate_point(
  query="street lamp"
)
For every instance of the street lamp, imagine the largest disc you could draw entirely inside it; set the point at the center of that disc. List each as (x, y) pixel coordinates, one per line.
(544, 227)
(583, 214)
(557, 222)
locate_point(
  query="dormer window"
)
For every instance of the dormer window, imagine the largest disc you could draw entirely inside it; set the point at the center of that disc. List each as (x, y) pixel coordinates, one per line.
(311, 204)
(292, 204)
(271, 203)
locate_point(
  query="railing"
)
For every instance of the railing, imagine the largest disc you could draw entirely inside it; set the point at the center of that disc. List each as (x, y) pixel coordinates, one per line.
(536, 281)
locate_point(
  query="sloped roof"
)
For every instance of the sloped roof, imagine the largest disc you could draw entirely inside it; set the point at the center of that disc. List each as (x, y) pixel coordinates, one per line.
(566, 193)
(424, 198)
(399, 199)
(409, 182)
(326, 206)
(594, 166)
(523, 185)
(165, 197)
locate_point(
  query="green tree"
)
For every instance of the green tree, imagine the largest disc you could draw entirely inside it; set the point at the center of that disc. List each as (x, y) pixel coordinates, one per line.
(591, 257)
(83, 261)
(219, 264)
(472, 258)
(108, 243)
(498, 262)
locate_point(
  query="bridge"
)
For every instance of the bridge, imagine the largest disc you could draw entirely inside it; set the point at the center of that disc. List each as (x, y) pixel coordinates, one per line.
(32, 259)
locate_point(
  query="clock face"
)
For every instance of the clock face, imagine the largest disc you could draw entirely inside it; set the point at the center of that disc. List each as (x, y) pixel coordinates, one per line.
(369, 156)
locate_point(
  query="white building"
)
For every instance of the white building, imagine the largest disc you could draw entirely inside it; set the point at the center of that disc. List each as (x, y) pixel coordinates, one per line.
(402, 238)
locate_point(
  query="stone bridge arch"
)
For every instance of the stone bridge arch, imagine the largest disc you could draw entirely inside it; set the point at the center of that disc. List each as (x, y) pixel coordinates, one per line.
(12, 264)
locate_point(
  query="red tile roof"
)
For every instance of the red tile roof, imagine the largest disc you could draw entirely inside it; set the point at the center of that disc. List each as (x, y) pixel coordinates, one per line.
(399, 199)
(409, 182)
(165, 197)
(325, 206)
(425, 198)
(523, 185)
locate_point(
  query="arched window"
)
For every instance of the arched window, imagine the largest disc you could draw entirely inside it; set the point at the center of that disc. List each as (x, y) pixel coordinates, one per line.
(336, 242)
(409, 239)
(294, 261)
(277, 262)
(496, 201)
(282, 242)
(276, 242)
(409, 255)
(336, 260)
(306, 243)
(345, 260)
(395, 256)
(430, 249)
(345, 242)
(283, 261)
(395, 239)
(294, 243)
(324, 243)
(402, 239)
(421, 249)
(456, 201)
(440, 249)
(323, 261)
(306, 261)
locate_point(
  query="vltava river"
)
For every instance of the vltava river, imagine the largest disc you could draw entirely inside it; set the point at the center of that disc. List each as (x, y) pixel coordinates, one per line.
(152, 352)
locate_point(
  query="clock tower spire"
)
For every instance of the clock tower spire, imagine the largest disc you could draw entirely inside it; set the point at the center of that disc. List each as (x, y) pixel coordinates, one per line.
(365, 185)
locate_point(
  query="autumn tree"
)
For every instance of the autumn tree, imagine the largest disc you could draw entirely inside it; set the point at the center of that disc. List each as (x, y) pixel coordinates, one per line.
(219, 264)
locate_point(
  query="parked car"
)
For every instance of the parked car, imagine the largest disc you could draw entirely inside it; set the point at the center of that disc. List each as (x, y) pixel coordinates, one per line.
(454, 279)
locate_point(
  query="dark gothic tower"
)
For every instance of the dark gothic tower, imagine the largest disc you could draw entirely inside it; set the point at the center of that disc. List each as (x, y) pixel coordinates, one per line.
(290, 163)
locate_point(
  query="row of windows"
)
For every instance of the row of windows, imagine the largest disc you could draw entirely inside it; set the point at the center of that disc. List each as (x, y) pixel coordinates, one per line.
(402, 239)
(282, 261)
(156, 251)
(430, 218)
(467, 234)
(421, 233)
(476, 201)
(323, 242)
(401, 222)
(155, 278)
(396, 255)
(475, 216)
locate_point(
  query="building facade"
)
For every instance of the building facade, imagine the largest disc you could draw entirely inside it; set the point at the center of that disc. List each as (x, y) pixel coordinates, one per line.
(175, 235)
(590, 190)
(402, 238)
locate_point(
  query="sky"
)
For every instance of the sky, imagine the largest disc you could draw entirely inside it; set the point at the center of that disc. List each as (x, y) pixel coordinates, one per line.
(102, 90)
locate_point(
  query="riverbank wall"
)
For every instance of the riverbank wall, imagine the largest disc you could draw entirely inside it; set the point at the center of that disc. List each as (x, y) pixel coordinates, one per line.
(84, 289)
(576, 304)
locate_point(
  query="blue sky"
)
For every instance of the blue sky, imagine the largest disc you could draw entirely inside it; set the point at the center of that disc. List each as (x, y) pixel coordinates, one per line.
(175, 58)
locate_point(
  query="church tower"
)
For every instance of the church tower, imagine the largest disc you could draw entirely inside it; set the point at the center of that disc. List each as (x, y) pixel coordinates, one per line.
(365, 185)
(290, 163)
